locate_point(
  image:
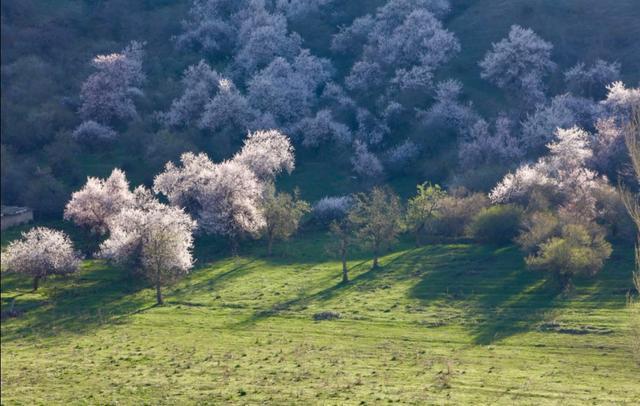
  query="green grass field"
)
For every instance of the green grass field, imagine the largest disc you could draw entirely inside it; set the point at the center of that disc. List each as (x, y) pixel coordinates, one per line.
(441, 324)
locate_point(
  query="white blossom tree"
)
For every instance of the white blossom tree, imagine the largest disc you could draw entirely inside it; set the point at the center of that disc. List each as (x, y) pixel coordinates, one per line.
(448, 110)
(226, 198)
(564, 111)
(98, 201)
(403, 44)
(92, 132)
(401, 156)
(183, 185)
(266, 154)
(519, 64)
(482, 146)
(621, 102)
(200, 83)
(211, 25)
(228, 110)
(262, 37)
(154, 237)
(563, 172)
(592, 81)
(287, 90)
(609, 150)
(107, 94)
(231, 203)
(371, 129)
(41, 252)
(321, 129)
(365, 163)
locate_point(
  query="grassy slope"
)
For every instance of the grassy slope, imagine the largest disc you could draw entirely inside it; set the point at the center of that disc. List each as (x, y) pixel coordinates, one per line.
(439, 324)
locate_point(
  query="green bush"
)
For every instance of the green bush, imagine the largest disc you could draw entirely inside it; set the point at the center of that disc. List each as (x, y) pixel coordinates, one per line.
(579, 250)
(456, 212)
(496, 224)
(537, 228)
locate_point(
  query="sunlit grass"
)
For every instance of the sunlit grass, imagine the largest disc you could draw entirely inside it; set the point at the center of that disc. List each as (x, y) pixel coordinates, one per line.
(441, 323)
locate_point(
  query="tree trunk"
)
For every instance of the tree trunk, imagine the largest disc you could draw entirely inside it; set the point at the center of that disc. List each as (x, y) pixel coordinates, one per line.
(159, 299)
(345, 270)
(565, 282)
(375, 259)
(36, 281)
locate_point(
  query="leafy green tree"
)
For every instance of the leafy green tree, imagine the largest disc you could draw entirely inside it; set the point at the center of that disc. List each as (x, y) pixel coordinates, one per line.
(577, 251)
(342, 238)
(377, 217)
(282, 213)
(423, 208)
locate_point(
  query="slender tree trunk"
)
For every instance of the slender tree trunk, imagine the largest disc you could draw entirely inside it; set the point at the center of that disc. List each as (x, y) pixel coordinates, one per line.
(345, 270)
(36, 282)
(375, 256)
(565, 282)
(159, 299)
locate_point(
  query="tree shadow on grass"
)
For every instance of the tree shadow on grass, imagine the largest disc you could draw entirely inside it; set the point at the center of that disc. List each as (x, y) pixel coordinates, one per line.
(305, 298)
(98, 295)
(500, 297)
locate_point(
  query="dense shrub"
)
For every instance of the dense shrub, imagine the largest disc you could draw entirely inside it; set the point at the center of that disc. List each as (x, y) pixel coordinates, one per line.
(456, 213)
(496, 224)
(579, 250)
(537, 228)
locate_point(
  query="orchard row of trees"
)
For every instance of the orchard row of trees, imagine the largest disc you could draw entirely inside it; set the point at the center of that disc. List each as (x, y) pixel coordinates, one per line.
(559, 216)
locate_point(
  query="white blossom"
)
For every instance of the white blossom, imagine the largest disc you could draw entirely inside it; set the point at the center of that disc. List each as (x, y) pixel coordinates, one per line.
(267, 154)
(331, 208)
(365, 163)
(519, 63)
(211, 26)
(98, 201)
(262, 37)
(151, 236)
(41, 252)
(563, 173)
(200, 83)
(107, 94)
(320, 129)
(90, 131)
(592, 80)
(228, 109)
(448, 110)
(371, 129)
(481, 146)
(231, 202)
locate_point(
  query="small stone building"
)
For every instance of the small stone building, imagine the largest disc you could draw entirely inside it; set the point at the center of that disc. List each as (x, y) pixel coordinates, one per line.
(13, 216)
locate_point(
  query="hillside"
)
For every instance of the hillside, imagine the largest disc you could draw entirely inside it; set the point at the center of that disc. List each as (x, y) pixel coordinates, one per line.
(42, 41)
(446, 323)
(320, 202)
